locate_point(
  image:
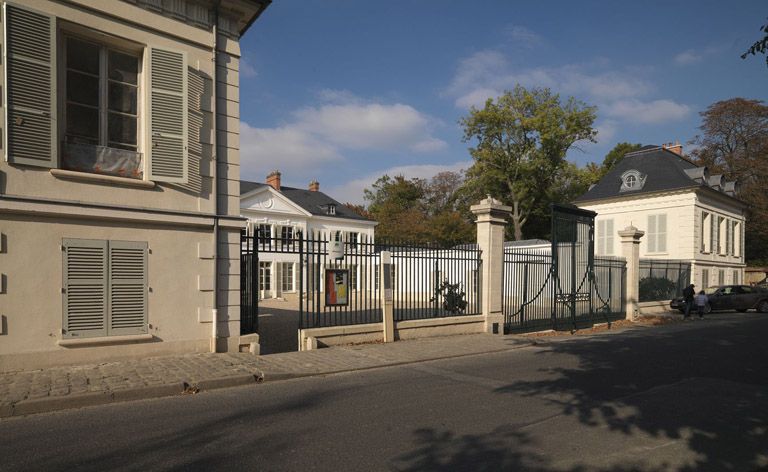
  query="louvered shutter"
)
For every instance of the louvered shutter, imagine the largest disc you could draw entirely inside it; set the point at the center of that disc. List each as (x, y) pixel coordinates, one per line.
(127, 287)
(30, 91)
(651, 233)
(661, 229)
(168, 116)
(85, 288)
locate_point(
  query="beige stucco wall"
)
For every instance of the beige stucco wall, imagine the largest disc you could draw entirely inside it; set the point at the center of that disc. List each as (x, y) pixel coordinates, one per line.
(32, 264)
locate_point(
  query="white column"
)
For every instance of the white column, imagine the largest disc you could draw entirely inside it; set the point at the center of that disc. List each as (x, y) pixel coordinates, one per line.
(630, 249)
(491, 219)
(385, 292)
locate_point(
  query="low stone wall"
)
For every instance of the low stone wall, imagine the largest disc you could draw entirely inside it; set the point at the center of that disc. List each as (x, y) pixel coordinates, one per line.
(652, 308)
(313, 338)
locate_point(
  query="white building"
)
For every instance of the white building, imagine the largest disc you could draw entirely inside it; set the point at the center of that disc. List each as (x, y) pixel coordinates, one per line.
(280, 213)
(686, 213)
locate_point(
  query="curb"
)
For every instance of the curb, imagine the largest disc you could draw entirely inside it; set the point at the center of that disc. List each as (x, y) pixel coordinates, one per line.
(49, 404)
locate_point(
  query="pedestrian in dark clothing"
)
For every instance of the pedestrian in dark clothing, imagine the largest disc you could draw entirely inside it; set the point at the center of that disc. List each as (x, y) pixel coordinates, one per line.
(701, 304)
(688, 293)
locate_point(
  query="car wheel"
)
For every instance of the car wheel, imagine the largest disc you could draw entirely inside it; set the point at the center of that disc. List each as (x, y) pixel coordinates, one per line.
(762, 307)
(708, 309)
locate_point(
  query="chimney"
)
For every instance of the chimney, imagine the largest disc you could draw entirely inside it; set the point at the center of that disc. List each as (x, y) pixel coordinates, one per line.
(273, 180)
(314, 186)
(677, 148)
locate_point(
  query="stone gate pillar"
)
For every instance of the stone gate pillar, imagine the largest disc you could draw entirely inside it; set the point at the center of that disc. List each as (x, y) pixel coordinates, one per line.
(491, 218)
(630, 249)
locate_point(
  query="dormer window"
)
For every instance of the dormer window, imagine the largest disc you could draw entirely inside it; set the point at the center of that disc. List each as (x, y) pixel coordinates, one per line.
(331, 209)
(632, 180)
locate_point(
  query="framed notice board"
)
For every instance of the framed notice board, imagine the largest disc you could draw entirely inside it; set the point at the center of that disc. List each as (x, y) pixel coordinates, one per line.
(336, 287)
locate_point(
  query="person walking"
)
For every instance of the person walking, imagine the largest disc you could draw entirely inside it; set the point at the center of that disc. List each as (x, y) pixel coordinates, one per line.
(688, 293)
(701, 303)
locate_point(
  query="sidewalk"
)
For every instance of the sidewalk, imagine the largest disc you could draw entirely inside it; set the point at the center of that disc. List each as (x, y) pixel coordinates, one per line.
(28, 392)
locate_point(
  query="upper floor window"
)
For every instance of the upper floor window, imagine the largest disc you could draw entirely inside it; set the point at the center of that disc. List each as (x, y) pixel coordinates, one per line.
(722, 239)
(353, 239)
(736, 238)
(101, 109)
(657, 233)
(605, 237)
(74, 99)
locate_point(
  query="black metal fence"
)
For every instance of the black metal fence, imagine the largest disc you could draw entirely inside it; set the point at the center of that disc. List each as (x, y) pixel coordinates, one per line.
(427, 281)
(663, 279)
(430, 281)
(563, 286)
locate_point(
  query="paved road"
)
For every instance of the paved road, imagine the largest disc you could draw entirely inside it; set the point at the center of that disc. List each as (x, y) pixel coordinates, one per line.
(690, 396)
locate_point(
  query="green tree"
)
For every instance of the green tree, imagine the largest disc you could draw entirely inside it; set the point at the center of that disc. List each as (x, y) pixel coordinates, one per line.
(759, 46)
(421, 210)
(595, 172)
(521, 139)
(734, 142)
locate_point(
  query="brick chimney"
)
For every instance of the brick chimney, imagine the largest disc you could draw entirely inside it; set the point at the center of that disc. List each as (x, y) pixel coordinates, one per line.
(314, 186)
(677, 148)
(273, 180)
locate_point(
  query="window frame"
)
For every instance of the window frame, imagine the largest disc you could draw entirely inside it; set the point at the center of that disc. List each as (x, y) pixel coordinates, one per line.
(605, 241)
(706, 232)
(105, 42)
(654, 237)
(287, 268)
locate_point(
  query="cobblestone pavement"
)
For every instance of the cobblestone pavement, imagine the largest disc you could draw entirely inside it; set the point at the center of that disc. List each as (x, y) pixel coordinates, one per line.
(56, 388)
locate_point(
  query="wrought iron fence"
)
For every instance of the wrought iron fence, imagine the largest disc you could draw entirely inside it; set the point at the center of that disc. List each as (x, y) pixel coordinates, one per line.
(663, 279)
(430, 281)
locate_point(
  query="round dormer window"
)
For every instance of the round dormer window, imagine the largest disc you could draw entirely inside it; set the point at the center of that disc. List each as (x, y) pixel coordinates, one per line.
(630, 181)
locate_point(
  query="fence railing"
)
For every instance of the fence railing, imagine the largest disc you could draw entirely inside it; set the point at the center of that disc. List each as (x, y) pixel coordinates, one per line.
(430, 281)
(532, 295)
(663, 279)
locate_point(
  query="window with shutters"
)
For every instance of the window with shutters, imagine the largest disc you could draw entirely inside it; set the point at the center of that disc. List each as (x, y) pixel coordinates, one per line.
(79, 99)
(657, 233)
(721, 235)
(105, 288)
(704, 278)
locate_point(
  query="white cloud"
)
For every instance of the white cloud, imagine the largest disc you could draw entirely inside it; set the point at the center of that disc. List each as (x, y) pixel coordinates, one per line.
(653, 112)
(606, 130)
(352, 191)
(688, 57)
(323, 134)
(522, 36)
(286, 148)
(618, 94)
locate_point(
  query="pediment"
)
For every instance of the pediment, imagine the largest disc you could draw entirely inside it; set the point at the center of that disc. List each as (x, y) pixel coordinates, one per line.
(268, 200)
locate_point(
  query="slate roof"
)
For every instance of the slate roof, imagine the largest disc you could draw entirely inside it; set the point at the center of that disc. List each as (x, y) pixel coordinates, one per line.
(316, 203)
(664, 170)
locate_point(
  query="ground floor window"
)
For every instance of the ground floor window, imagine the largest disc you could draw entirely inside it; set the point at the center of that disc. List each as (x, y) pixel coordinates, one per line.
(704, 278)
(721, 277)
(265, 276)
(287, 277)
(735, 277)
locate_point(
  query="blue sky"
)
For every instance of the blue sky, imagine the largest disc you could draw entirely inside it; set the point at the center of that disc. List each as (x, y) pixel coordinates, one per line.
(345, 91)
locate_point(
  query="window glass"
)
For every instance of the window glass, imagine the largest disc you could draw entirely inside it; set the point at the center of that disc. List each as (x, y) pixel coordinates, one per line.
(123, 68)
(82, 56)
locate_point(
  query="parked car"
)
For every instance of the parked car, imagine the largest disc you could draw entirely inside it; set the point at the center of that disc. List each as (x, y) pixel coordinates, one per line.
(730, 297)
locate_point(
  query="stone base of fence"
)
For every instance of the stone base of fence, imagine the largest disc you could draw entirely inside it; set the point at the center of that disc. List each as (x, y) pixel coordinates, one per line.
(653, 308)
(313, 338)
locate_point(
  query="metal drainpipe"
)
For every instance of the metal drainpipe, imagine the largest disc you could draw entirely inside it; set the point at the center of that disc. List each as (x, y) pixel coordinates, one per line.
(215, 312)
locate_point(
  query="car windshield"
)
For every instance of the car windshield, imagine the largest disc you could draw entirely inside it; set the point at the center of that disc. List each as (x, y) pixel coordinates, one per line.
(710, 290)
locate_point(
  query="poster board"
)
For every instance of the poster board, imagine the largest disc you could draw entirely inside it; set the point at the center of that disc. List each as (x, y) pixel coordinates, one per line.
(336, 287)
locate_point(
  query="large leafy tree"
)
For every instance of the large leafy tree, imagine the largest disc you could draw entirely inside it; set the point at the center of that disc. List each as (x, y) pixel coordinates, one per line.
(520, 142)
(734, 141)
(420, 210)
(760, 46)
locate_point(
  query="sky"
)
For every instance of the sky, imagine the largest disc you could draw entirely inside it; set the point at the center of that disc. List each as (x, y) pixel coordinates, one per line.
(345, 91)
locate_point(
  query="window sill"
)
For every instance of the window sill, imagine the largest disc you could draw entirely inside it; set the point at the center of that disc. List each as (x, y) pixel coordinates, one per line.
(101, 179)
(105, 340)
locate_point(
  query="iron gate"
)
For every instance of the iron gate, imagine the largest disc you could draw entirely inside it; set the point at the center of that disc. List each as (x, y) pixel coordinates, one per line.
(563, 285)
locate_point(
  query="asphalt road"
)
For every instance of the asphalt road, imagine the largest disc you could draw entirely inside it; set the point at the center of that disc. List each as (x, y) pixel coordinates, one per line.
(691, 396)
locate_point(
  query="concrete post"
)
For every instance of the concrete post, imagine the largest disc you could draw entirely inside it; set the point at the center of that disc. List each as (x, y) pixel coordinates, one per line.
(491, 219)
(385, 292)
(630, 249)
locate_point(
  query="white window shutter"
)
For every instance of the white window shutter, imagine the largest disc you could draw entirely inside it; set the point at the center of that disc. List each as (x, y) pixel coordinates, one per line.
(651, 233)
(30, 91)
(85, 288)
(601, 237)
(661, 228)
(609, 236)
(127, 287)
(168, 116)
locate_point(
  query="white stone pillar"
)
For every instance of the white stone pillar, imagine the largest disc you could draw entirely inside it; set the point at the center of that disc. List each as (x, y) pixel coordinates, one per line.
(630, 249)
(491, 219)
(385, 294)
